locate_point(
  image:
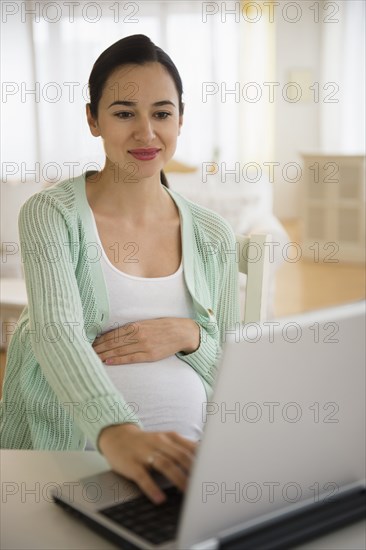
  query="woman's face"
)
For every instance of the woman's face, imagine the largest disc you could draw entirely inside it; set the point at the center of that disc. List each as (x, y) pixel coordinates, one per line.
(138, 110)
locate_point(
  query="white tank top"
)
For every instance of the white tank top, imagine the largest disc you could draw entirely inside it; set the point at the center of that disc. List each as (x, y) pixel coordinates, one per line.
(167, 395)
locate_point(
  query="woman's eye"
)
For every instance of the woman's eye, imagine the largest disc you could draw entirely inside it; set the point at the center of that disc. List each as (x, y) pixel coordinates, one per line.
(163, 114)
(127, 114)
(123, 114)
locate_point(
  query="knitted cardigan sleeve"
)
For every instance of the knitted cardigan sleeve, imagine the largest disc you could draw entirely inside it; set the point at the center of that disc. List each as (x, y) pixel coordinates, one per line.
(66, 357)
(226, 307)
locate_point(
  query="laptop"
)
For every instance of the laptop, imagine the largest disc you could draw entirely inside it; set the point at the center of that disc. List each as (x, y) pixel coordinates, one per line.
(282, 458)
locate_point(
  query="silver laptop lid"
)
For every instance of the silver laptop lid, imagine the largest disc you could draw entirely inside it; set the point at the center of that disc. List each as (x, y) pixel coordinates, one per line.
(286, 423)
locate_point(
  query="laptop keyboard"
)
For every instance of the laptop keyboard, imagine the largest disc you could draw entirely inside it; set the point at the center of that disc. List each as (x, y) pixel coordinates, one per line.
(157, 523)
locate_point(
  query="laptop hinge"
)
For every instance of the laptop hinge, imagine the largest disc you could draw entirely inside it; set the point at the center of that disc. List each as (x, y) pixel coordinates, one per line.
(295, 528)
(209, 544)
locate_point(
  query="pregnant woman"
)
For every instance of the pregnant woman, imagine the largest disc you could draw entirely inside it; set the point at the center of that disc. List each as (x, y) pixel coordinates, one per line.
(131, 288)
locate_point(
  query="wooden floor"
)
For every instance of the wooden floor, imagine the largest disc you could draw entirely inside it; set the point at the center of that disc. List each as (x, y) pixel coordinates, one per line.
(308, 284)
(305, 285)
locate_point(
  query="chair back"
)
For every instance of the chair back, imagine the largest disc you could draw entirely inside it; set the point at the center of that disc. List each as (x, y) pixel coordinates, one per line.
(254, 257)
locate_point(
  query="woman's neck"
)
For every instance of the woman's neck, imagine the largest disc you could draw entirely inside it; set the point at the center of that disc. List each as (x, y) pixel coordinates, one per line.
(134, 201)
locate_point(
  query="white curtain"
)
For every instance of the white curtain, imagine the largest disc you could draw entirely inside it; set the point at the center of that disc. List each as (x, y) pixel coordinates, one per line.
(49, 50)
(19, 124)
(342, 103)
(257, 66)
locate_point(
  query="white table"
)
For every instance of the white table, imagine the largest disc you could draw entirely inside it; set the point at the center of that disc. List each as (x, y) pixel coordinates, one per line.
(30, 520)
(13, 299)
(13, 294)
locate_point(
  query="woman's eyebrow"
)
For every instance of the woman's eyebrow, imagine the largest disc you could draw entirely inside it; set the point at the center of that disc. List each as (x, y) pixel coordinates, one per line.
(133, 103)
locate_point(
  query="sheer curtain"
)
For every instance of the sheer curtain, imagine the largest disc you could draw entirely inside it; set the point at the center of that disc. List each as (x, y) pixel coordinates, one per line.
(257, 67)
(49, 52)
(342, 116)
(19, 124)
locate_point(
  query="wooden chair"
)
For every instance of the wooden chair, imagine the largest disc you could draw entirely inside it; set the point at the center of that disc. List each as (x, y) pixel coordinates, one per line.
(254, 263)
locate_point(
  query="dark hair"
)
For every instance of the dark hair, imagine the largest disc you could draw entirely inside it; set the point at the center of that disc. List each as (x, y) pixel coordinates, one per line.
(135, 49)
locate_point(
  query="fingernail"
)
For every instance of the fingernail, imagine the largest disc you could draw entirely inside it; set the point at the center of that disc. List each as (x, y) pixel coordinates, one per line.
(158, 498)
(108, 361)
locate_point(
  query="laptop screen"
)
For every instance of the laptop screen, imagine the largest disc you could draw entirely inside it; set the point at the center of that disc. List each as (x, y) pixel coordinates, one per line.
(286, 423)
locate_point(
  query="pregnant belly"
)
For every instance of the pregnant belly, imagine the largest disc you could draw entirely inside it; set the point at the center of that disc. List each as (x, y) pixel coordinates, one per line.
(166, 395)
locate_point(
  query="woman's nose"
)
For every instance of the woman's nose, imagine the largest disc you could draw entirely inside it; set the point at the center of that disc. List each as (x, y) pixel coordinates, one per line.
(144, 130)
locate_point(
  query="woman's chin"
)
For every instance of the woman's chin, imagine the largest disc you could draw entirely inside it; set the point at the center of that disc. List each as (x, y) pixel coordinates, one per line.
(132, 171)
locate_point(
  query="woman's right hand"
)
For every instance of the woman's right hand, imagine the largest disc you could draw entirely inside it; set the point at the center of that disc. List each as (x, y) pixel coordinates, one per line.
(128, 450)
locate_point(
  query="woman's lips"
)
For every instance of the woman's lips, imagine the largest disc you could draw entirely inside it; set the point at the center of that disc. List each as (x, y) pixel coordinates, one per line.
(144, 154)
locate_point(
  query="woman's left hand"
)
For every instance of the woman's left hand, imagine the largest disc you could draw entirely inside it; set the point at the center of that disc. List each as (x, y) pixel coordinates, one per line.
(148, 340)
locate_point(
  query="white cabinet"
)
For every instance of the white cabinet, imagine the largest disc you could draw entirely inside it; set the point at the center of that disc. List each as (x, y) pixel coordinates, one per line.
(333, 207)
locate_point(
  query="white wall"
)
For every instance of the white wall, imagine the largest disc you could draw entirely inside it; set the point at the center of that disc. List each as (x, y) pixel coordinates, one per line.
(297, 124)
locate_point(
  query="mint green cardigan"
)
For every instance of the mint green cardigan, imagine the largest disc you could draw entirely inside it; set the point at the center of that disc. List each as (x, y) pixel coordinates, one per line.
(56, 392)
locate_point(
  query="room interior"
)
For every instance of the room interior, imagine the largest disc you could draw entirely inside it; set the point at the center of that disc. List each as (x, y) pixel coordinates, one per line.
(273, 136)
(273, 140)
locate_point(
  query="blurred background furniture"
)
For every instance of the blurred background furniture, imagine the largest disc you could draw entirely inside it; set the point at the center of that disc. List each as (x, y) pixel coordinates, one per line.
(253, 260)
(13, 295)
(13, 299)
(247, 206)
(333, 207)
(13, 194)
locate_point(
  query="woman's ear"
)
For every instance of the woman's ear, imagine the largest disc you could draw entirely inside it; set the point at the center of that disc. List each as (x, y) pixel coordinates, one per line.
(93, 125)
(180, 125)
(181, 120)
